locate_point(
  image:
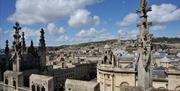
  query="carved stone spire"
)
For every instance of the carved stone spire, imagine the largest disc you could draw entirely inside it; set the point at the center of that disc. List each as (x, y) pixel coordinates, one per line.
(32, 44)
(23, 43)
(42, 40)
(31, 49)
(42, 50)
(144, 39)
(16, 48)
(7, 48)
(7, 54)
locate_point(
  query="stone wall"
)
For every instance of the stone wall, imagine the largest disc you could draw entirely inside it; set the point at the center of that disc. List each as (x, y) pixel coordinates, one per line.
(130, 88)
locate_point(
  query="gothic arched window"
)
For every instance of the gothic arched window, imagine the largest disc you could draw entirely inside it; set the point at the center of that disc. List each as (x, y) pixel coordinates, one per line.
(38, 88)
(6, 81)
(43, 89)
(14, 84)
(33, 88)
(105, 59)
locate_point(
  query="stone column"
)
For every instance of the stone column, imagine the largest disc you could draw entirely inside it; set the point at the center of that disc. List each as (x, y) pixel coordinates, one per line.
(112, 82)
(112, 61)
(103, 82)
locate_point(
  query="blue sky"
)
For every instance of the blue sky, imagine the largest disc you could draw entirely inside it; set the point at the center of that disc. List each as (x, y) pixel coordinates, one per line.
(76, 21)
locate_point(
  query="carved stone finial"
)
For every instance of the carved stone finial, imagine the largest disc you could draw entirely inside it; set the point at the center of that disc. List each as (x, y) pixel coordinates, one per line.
(7, 48)
(32, 45)
(42, 40)
(23, 43)
(16, 48)
(31, 49)
(144, 39)
(42, 50)
(17, 36)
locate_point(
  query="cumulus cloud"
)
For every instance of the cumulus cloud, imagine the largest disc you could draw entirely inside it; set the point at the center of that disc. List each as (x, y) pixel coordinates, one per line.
(62, 38)
(5, 35)
(94, 35)
(1, 36)
(97, 20)
(128, 20)
(125, 34)
(178, 34)
(30, 33)
(45, 11)
(87, 33)
(162, 15)
(157, 27)
(54, 30)
(81, 18)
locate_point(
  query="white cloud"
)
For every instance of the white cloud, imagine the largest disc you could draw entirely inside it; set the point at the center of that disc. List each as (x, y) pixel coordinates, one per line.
(87, 33)
(30, 33)
(45, 11)
(5, 35)
(128, 20)
(124, 34)
(1, 37)
(157, 27)
(94, 35)
(62, 38)
(164, 13)
(81, 18)
(53, 29)
(160, 16)
(178, 34)
(97, 20)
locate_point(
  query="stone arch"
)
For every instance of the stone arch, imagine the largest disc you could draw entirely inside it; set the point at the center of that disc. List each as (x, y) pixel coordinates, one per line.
(161, 88)
(33, 87)
(177, 88)
(124, 84)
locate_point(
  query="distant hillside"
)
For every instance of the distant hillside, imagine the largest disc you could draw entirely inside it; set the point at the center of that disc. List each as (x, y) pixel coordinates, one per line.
(166, 39)
(97, 43)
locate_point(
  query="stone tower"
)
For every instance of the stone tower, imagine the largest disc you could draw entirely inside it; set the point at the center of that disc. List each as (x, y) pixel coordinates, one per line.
(16, 48)
(42, 50)
(144, 39)
(23, 44)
